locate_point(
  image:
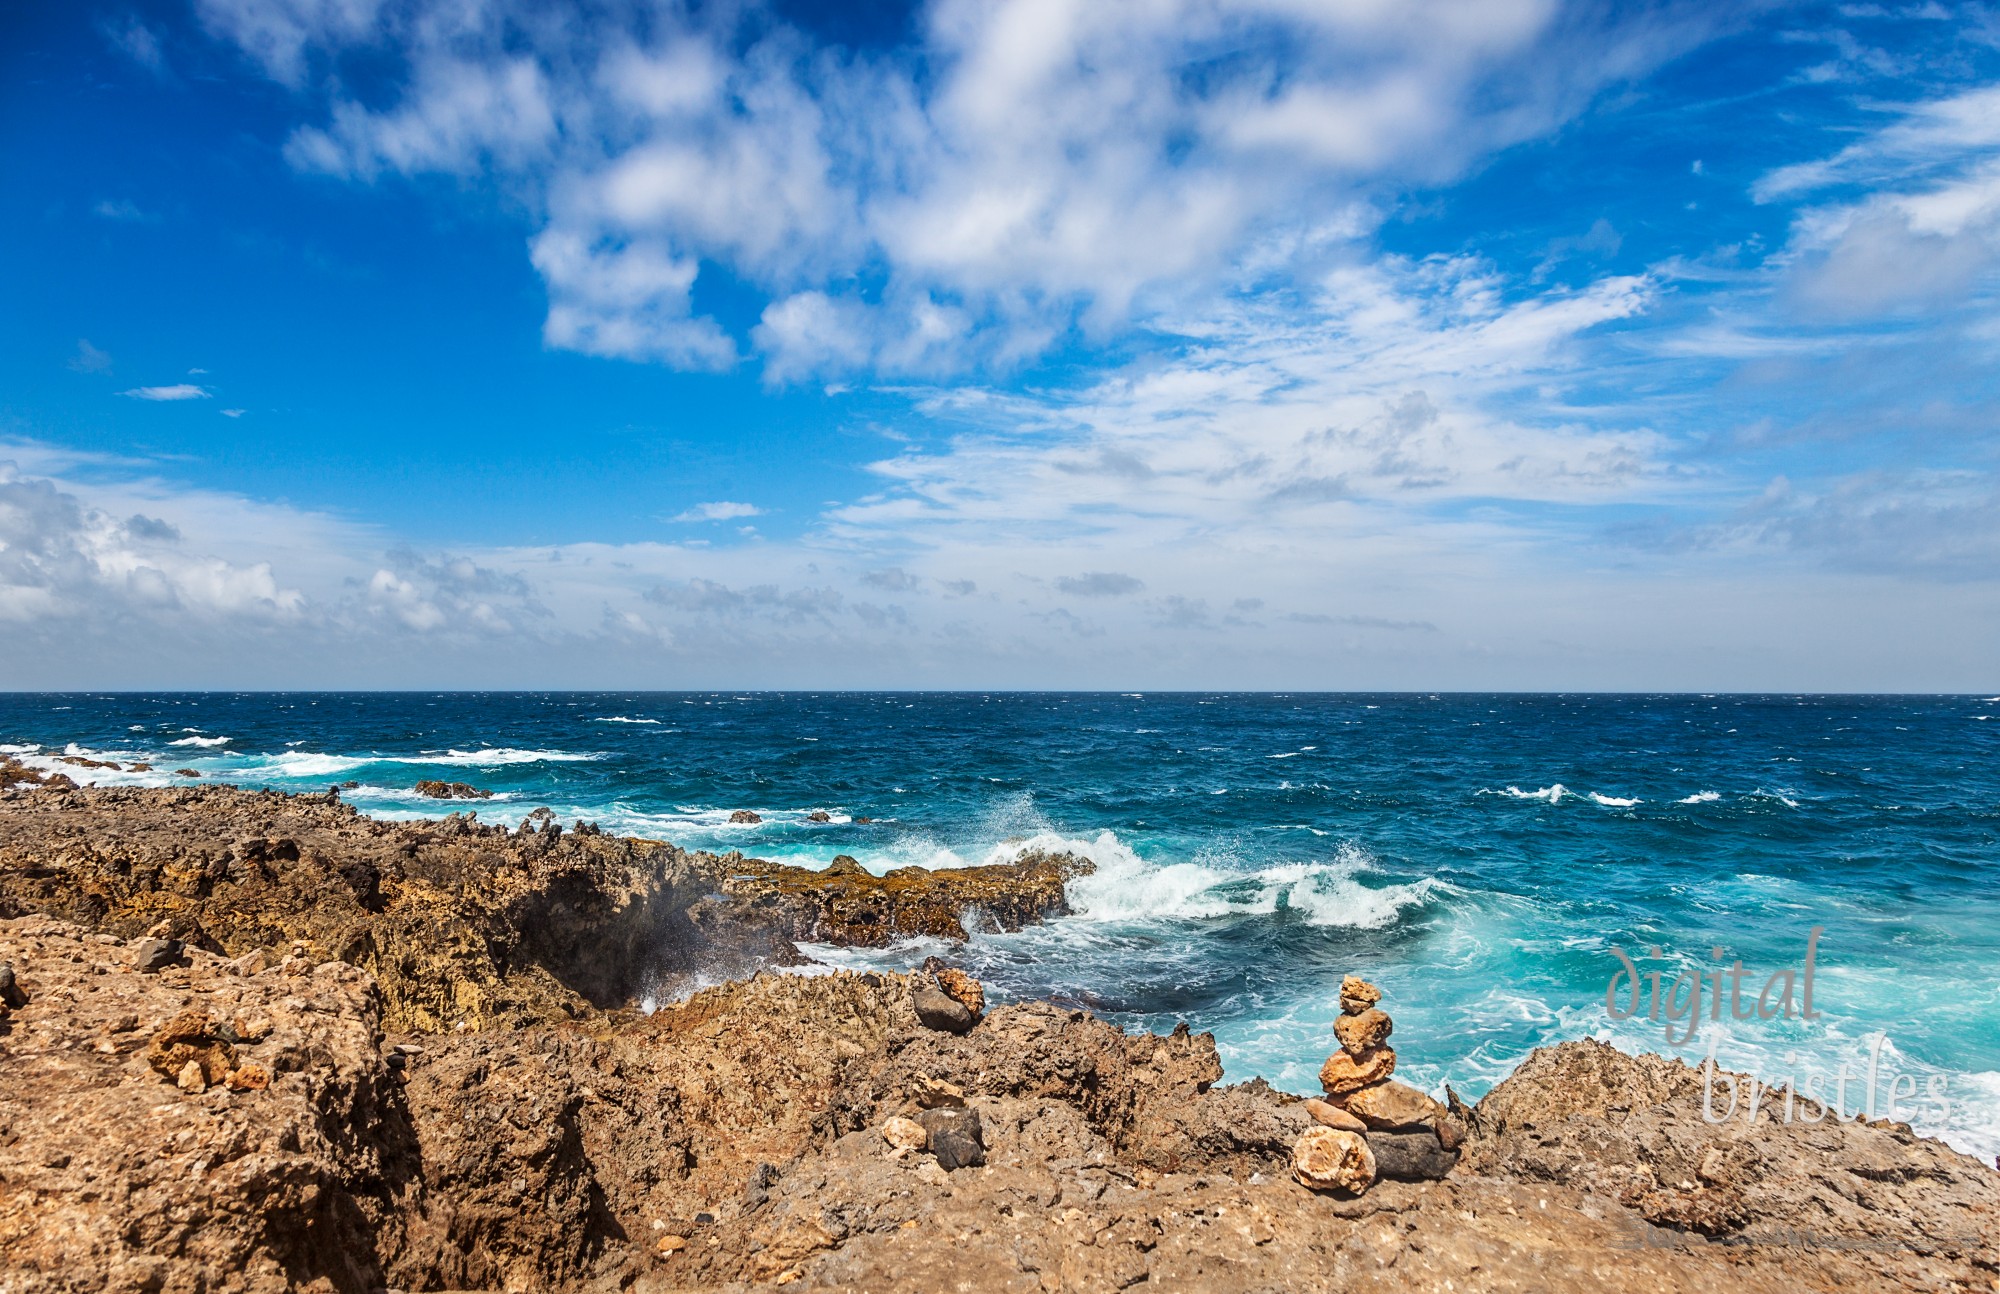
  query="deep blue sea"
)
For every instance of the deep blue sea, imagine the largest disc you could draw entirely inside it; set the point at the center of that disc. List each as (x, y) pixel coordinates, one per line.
(1479, 857)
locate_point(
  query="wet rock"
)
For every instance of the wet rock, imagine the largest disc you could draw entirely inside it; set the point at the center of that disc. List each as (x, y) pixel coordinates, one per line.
(1330, 1115)
(1357, 995)
(1410, 1156)
(819, 815)
(937, 1010)
(1393, 1106)
(186, 772)
(1328, 1159)
(956, 1137)
(858, 909)
(150, 956)
(1364, 1032)
(438, 790)
(745, 818)
(905, 1134)
(1343, 1073)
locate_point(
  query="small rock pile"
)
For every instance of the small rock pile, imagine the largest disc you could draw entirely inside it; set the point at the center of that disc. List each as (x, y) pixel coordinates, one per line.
(1371, 1126)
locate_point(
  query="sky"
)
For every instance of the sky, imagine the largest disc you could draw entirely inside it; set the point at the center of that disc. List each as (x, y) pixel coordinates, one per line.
(1128, 344)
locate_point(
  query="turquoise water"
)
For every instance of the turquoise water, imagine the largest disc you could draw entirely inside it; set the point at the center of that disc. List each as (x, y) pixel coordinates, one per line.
(1477, 856)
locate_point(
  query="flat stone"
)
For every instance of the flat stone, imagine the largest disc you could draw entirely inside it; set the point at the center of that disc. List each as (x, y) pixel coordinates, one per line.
(1329, 1159)
(1331, 1115)
(956, 1137)
(1344, 1073)
(1411, 1156)
(1393, 1106)
(939, 1011)
(1364, 1032)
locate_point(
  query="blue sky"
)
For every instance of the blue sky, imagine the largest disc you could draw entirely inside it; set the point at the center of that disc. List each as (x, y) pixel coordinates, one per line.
(1032, 343)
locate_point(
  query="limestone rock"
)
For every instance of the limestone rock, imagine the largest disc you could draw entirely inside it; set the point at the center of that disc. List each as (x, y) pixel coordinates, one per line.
(1364, 1032)
(1393, 1106)
(905, 1134)
(1343, 1073)
(746, 818)
(1410, 1156)
(1357, 995)
(1327, 1114)
(956, 1137)
(1328, 1159)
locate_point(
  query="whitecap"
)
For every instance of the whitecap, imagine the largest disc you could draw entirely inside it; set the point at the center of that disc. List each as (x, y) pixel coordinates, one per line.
(1612, 801)
(1700, 797)
(200, 741)
(1553, 794)
(619, 718)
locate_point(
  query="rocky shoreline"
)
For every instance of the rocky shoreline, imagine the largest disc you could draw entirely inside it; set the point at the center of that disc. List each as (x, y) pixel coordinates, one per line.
(255, 1041)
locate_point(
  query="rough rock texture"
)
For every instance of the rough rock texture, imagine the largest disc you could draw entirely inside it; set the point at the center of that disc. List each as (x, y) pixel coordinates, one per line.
(1362, 1033)
(735, 1139)
(1343, 1073)
(1393, 1106)
(847, 905)
(1327, 1159)
(114, 1178)
(450, 791)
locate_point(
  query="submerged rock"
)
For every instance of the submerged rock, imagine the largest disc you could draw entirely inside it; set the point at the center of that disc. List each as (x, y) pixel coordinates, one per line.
(437, 790)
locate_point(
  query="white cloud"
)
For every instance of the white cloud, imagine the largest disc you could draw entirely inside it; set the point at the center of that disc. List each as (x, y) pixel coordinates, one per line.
(178, 391)
(1025, 168)
(719, 511)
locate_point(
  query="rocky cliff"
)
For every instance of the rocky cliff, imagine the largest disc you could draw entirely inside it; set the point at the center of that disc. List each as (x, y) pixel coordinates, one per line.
(427, 1076)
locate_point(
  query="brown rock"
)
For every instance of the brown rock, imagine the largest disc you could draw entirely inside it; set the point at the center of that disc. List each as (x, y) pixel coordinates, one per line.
(1450, 1133)
(191, 1038)
(937, 1010)
(671, 1244)
(1410, 1156)
(935, 1093)
(905, 1134)
(11, 994)
(957, 985)
(819, 815)
(249, 1078)
(1364, 1032)
(1332, 1116)
(1328, 1159)
(186, 772)
(1344, 1073)
(956, 1136)
(1393, 1106)
(1357, 995)
(744, 817)
(437, 790)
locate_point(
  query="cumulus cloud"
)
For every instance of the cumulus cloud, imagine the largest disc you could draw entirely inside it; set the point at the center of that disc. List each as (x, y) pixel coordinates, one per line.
(1020, 170)
(178, 391)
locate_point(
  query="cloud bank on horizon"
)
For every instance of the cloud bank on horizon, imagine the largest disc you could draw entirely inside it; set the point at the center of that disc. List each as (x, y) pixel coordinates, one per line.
(1512, 344)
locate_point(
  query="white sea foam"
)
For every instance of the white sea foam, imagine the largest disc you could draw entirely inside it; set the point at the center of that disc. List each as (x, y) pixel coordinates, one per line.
(303, 763)
(1700, 797)
(200, 741)
(619, 718)
(1553, 794)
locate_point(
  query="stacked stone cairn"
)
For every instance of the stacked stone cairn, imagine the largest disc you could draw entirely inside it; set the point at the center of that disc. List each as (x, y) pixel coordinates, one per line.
(1370, 1126)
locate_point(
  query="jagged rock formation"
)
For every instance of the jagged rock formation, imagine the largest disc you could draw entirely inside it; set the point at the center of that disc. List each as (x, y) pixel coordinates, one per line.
(739, 1138)
(847, 905)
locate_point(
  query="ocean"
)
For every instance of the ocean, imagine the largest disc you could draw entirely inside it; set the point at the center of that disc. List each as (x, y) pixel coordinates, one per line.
(1483, 858)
